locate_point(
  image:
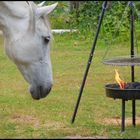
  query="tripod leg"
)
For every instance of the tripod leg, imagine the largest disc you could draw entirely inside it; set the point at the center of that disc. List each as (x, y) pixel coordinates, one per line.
(123, 116)
(132, 55)
(134, 112)
(90, 59)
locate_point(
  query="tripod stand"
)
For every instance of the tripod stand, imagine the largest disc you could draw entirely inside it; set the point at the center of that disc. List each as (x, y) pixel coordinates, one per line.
(92, 54)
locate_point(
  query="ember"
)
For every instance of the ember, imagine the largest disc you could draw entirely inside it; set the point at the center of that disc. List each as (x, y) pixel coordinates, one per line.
(133, 85)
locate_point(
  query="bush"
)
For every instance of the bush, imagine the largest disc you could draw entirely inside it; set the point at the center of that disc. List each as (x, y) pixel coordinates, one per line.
(86, 17)
(90, 11)
(59, 17)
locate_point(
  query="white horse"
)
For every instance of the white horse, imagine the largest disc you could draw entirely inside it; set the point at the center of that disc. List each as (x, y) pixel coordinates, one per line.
(27, 42)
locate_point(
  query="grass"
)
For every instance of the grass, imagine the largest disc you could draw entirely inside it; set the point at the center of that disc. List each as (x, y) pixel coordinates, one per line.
(23, 117)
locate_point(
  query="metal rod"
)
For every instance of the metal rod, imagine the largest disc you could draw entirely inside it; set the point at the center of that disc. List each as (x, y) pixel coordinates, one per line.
(132, 55)
(134, 113)
(89, 60)
(132, 38)
(123, 115)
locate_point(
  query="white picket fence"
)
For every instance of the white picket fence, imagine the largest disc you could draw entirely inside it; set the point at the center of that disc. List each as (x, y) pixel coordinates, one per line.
(59, 31)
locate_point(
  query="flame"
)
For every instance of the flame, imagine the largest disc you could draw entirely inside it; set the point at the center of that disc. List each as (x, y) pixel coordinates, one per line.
(121, 83)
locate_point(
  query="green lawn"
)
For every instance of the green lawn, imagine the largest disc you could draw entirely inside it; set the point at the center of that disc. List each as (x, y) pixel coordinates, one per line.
(98, 116)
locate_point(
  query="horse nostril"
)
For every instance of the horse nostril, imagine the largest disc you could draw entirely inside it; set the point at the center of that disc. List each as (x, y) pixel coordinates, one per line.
(49, 89)
(31, 89)
(33, 93)
(41, 91)
(45, 91)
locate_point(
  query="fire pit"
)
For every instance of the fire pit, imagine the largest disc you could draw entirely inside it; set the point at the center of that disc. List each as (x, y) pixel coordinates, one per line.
(122, 90)
(131, 91)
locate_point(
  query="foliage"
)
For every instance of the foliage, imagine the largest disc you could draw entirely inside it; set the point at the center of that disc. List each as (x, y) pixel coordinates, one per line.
(88, 15)
(90, 11)
(59, 17)
(116, 22)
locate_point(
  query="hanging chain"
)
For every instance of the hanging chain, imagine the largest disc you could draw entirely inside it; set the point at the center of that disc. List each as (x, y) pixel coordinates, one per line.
(114, 35)
(138, 15)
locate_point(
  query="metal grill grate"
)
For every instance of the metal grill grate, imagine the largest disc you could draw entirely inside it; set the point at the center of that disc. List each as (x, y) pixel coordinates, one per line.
(123, 61)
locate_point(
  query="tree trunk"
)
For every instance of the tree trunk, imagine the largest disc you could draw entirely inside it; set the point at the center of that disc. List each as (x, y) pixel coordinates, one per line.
(74, 6)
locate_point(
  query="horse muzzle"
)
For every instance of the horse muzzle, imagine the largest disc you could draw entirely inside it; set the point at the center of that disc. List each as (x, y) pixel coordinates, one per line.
(39, 92)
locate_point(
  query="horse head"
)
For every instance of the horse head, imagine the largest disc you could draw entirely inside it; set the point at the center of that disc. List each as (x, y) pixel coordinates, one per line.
(27, 34)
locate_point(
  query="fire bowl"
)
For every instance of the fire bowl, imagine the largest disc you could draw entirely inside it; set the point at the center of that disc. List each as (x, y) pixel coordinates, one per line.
(131, 91)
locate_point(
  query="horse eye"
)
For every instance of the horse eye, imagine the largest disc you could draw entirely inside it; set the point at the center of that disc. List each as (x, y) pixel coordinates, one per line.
(46, 39)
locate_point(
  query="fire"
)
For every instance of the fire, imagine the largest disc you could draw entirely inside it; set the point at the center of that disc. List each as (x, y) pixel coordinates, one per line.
(121, 83)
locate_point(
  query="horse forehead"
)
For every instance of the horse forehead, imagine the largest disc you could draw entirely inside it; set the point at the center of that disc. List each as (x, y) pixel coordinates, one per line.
(43, 26)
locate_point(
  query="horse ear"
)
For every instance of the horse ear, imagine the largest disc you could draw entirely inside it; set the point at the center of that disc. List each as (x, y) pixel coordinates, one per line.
(45, 10)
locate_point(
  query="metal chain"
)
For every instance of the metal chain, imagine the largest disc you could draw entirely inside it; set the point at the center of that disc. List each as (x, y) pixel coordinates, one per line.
(114, 35)
(138, 15)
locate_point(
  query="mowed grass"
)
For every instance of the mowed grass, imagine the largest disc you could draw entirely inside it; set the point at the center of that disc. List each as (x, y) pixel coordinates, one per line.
(23, 117)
